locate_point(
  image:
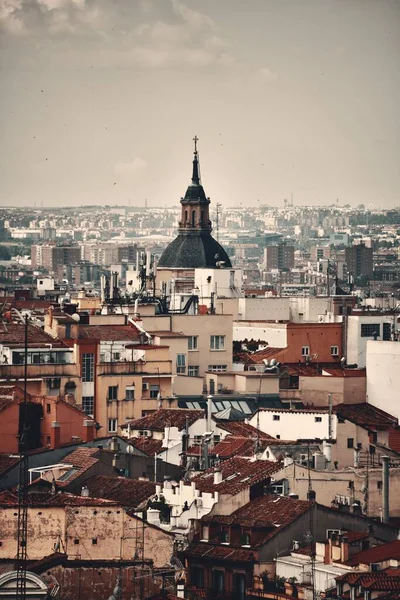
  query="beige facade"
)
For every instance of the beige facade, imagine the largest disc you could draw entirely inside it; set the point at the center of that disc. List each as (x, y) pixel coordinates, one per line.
(104, 532)
(243, 382)
(344, 486)
(203, 351)
(315, 390)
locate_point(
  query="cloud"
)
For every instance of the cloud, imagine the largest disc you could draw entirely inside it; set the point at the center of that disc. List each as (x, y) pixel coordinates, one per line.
(134, 166)
(145, 33)
(267, 73)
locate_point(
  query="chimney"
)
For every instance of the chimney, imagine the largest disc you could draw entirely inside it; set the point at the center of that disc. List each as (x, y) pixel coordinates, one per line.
(344, 549)
(114, 445)
(89, 430)
(217, 476)
(385, 489)
(115, 461)
(85, 492)
(311, 495)
(55, 435)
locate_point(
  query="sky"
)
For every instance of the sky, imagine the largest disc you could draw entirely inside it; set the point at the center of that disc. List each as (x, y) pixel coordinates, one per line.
(100, 100)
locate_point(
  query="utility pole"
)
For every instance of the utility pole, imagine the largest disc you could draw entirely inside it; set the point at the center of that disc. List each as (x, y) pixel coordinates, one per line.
(23, 482)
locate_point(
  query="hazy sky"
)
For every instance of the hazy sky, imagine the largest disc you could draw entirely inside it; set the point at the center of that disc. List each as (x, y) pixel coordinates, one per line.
(100, 100)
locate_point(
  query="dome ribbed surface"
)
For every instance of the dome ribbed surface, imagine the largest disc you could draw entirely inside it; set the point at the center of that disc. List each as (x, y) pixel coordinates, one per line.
(193, 251)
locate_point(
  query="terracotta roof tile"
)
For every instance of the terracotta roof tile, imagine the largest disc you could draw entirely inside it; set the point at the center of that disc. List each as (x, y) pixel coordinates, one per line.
(239, 428)
(109, 333)
(391, 550)
(237, 474)
(239, 446)
(366, 415)
(60, 499)
(167, 417)
(214, 552)
(6, 462)
(13, 334)
(128, 492)
(149, 446)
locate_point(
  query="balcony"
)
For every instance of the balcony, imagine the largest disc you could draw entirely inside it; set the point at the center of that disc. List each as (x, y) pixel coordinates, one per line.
(39, 371)
(159, 368)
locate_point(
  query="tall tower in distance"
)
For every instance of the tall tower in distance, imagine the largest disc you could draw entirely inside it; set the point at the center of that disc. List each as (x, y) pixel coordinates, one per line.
(194, 247)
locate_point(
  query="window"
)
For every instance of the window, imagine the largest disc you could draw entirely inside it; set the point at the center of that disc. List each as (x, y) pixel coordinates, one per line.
(276, 418)
(48, 408)
(88, 405)
(217, 368)
(370, 329)
(193, 371)
(87, 367)
(154, 391)
(350, 442)
(112, 392)
(225, 536)
(116, 356)
(205, 531)
(218, 581)
(239, 586)
(217, 342)
(379, 485)
(130, 392)
(94, 541)
(305, 351)
(76, 542)
(193, 342)
(318, 419)
(387, 332)
(181, 364)
(334, 351)
(245, 539)
(197, 577)
(112, 425)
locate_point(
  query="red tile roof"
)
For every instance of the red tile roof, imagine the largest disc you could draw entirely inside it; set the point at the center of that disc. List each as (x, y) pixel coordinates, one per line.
(394, 439)
(266, 353)
(167, 417)
(13, 334)
(125, 491)
(388, 551)
(149, 446)
(269, 511)
(366, 415)
(109, 333)
(6, 462)
(60, 499)
(83, 457)
(386, 580)
(239, 446)
(213, 552)
(239, 428)
(237, 474)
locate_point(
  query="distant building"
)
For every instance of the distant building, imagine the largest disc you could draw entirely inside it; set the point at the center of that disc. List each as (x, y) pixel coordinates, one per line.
(359, 261)
(50, 256)
(279, 257)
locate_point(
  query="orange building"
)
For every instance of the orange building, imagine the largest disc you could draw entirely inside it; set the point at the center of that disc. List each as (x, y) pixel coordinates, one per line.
(52, 421)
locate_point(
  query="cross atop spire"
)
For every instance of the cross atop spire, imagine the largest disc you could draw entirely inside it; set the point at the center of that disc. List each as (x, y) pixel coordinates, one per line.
(195, 139)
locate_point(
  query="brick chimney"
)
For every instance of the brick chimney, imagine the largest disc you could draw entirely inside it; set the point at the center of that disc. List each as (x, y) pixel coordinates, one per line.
(55, 435)
(89, 430)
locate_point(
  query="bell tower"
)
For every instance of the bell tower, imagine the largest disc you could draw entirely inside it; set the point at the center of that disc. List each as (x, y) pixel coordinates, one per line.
(195, 216)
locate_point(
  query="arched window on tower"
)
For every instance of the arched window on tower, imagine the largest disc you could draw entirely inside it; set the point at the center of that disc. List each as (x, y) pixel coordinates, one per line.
(193, 218)
(202, 218)
(186, 216)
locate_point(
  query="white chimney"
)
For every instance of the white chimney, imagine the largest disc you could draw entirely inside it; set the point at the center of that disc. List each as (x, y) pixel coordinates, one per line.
(153, 516)
(217, 477)
(85, 492)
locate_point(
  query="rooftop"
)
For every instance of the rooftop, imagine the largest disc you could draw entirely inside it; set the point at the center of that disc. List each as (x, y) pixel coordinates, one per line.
(237, 474)
(377, 554)
(125, 491)
(167, 417)
(13, 334)
(149, 446)
(366, 415)
(60, 499)
(109, 333)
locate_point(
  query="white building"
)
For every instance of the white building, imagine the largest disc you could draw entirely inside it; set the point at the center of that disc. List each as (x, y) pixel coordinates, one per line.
(360, 329)
(286, 424)
(383, 375)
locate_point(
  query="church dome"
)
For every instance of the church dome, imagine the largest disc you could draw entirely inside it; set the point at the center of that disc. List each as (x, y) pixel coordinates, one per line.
(194, 247)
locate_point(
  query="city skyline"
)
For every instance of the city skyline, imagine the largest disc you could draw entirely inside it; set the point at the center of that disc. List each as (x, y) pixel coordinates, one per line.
(100, 102)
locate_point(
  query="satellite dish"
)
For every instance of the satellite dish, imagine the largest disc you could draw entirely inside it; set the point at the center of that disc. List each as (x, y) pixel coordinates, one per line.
(76, 317)
(129, 449)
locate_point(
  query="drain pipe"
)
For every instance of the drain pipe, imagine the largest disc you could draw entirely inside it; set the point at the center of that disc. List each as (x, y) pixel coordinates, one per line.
(385, 488)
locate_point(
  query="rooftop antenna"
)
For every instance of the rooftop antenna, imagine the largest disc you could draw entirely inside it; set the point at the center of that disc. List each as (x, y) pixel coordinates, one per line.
(219, 206)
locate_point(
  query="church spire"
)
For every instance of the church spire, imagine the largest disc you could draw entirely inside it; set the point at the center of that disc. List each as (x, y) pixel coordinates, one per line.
(196, 166)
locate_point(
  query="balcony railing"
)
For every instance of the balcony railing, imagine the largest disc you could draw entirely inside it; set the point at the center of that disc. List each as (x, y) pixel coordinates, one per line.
(40, 370)
(134, 368)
